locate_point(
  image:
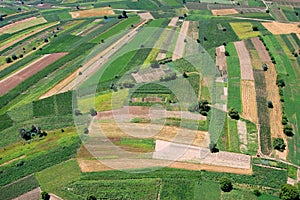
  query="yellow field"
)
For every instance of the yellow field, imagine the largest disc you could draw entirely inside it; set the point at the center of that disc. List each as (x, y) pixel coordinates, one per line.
(22, 25)
(92, 12)
(103, 102)
(244, 30)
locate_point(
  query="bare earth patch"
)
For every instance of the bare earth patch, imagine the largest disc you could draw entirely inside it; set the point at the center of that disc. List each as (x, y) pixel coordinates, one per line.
(221, 58)
(92, 12)
(173, 21)
(21, 75)
(180, 44)
(249, 106)
(245, 61)
(242, 130)
(33, 194)
(222, 12)
(260, 48)
(281, 28)
(146, 15)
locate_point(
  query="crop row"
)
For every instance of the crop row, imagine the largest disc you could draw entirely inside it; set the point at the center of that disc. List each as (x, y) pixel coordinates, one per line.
(22, 87)
(263, 112)
(39, 161)
(18, 188)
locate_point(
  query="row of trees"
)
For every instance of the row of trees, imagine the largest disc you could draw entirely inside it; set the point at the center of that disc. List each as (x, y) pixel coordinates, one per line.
(34, 131)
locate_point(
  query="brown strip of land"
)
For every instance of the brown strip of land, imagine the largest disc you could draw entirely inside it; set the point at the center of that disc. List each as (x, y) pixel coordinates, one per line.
(12, 81)
(249, 100)
(245, 61)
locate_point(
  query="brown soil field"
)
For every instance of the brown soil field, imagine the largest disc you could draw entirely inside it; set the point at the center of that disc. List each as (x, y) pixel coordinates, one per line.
(173, 21)
(260, 48)
(96, 165)
(224, 12)
(180, 44)
(281, 28)
(2, 29)
(92, 12)
(33, 194)
(221, 58)
(146, 15)
(249, 106)
(156, 131)
(21, 75)
(245, 61)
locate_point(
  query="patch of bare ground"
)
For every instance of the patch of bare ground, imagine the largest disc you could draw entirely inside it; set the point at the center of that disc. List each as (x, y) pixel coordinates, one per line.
(260, 48)
(242, 131)
(12, 81)
(92, 12)
(221, 58)
(278, 28)
(245, 61)
(173, 22)
(249, 106)
(96, 165)
(146, 15)
(180, 44)
(222, 12)
(33, 194)
(275, 113)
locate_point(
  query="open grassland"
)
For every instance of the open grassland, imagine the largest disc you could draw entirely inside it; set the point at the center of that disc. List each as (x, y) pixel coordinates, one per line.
(244, 30)
(54, 178)
(103, 102)
(256, 3)
(290, 14)
(214, 32)
(56, 14)
(234, 79)
(56, 147)
(116, 29)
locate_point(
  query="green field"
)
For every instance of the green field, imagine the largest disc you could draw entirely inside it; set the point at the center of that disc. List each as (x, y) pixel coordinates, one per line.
(234, 79)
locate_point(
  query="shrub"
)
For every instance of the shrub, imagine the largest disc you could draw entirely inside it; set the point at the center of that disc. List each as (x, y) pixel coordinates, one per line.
(93, 112)
(225, 184)
(255, 28)
(233, 114)
(280, 83)
(45, 195)
(14, 57)
(256, 192)
(270, 104)
(8, 59)
(288, 130)
(278, 144)
(227, 53)
(289, 192)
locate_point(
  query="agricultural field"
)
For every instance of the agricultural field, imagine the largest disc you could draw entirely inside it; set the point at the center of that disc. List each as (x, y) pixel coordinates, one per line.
(149, 99)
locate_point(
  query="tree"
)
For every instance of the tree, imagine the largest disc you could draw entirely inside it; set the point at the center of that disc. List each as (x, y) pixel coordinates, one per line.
(185, 75)
(77, 112)
(225, 184)
(233, 114)
(45, 195)
(46, 40)
(227, 53)
(155, 64)
(93, 112)
(86, 131)
(14, 57)
(288, 130)
(280, 83)
(278, 144)
(105, 17)
(270, 104)
(8, 59)
(124, 14)
(256, 192)
(213, 147)
(91, 197)
(288, 192)
(255, 28)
